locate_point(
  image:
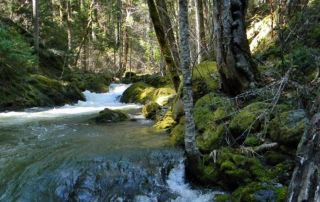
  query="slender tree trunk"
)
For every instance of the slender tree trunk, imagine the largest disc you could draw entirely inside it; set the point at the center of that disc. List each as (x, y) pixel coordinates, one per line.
(164, 44)
(35, 14)
(169, 31)
(201, 35)
(233, 56)
(189, 138)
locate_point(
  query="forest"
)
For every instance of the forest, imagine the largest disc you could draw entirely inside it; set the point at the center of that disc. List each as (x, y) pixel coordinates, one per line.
(160, 100)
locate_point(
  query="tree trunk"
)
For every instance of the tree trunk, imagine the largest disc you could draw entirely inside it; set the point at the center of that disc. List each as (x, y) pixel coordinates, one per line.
(233, 56)
(164, 44)
(35, 14)
(189, 138)
(200, 32)
(169, 31)
(305, 181)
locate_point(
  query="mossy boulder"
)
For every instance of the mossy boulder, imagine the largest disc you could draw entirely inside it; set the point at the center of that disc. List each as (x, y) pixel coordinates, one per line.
(177, 133)
(111, 116)
(229, 164)
(143, 93)
(166, 121)
(247, 119)
(150, 110)
(260, 191)
(137, 93)
(210, 108)
(212, 138)
(288, 127)
(205, 79)
(37, 90)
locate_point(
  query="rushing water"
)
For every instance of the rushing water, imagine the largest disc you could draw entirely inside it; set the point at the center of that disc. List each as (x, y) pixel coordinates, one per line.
(60, 155)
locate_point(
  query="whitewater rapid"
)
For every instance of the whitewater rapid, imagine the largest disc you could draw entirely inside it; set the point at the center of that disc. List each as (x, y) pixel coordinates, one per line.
(67, 145)
(94, 102)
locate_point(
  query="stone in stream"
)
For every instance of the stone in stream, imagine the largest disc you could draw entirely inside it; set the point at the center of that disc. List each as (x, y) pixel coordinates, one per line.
(111, 116)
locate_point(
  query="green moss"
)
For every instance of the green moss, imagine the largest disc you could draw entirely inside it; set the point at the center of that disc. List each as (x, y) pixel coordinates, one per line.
(209, 108)
(222, 198)
(143, 93)
(177, 133)
(247, 118)
(212, 138)
(252, 141)
(150, 110)
(166, 121)
(205, 79)
(111, 116)
(287, 127)
(137, 93)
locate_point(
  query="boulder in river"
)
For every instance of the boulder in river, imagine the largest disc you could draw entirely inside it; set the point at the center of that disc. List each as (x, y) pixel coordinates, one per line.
(111, 116)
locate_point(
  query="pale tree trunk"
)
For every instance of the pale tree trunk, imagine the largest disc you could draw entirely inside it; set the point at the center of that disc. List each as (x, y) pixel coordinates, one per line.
(164, 44)
(35, 14)
(69, 27)
(237, 70)
(189, 138)
(200, 32)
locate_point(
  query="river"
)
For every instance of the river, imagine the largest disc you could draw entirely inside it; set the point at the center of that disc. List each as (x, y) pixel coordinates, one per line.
(59, 154)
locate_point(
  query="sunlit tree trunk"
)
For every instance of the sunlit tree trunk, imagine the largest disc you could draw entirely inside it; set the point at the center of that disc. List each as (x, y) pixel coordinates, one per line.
(164, 44)
(235, 65)
(35, 14)
(189, 138)
(200, 32)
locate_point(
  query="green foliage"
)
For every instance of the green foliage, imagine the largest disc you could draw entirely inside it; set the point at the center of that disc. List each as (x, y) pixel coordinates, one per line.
(15, 52)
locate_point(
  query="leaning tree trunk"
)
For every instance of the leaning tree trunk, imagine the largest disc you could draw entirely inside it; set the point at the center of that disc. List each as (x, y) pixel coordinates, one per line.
(233, 56)
(164, 44)
(189, 139)
(35, 15)
(305, 182)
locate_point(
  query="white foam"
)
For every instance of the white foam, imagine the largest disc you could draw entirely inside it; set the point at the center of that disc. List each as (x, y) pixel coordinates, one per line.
(178, 185)
(94, 103)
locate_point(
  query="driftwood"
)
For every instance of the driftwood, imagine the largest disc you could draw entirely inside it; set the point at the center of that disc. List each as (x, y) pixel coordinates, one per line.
(305, 182)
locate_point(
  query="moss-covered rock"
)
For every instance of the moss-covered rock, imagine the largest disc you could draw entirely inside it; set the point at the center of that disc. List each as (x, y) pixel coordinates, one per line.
(166, 121)
(144, 93)
(288, 127)
(209, 108)
(137, 93)
(36, 90)
(212, 138)
(111, 116)
(150, 110)
(257, 192)
(230, 164)
(246, 119)
(177, 133)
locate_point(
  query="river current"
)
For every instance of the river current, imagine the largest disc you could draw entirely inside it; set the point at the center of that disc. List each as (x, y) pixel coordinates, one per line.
(59, 154)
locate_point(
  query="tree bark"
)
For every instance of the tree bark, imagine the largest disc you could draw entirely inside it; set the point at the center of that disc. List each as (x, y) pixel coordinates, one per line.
(189, 138)
(305, 181)
(35, 14)
(164, 44)
(200, 32)
(169, 31)
(234, 62)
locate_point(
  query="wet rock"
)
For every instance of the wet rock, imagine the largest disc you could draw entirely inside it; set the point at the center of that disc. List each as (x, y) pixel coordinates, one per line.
(288, 127)
(111, 116)
(150, 110)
